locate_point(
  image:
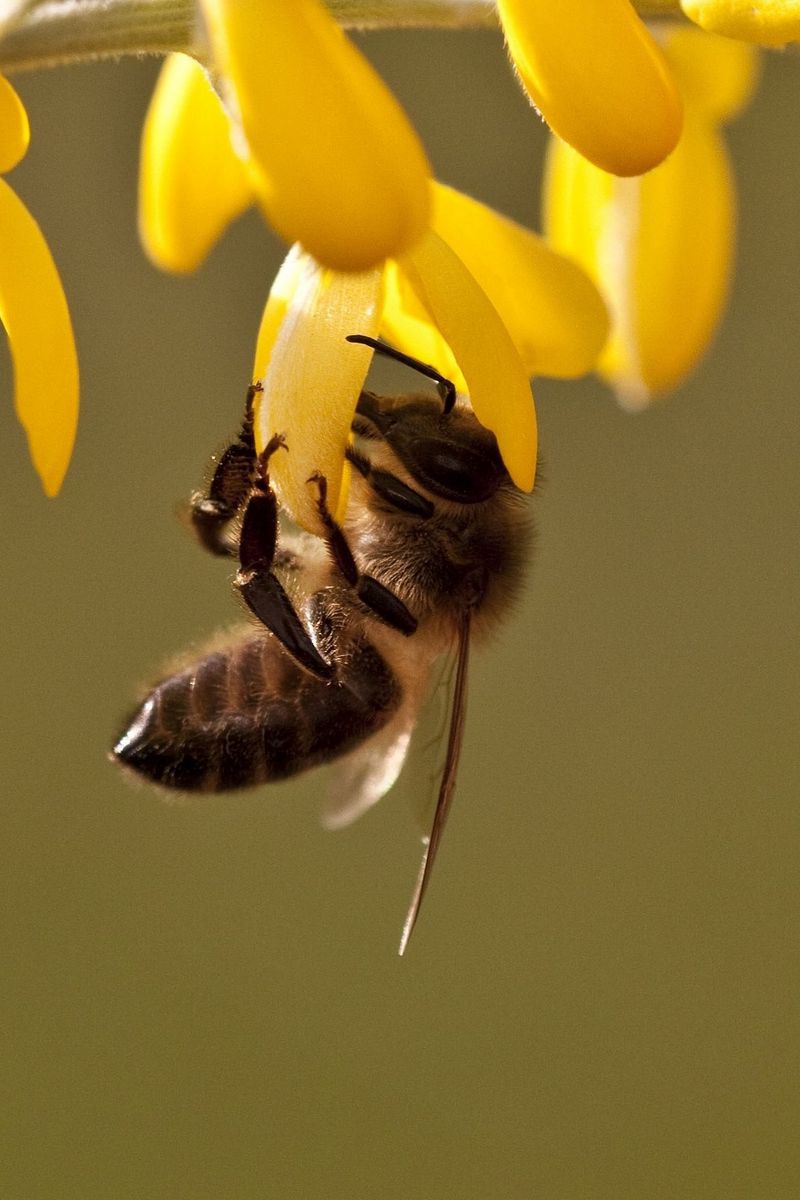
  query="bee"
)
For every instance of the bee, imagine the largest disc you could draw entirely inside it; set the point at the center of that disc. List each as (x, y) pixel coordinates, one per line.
(349, 625)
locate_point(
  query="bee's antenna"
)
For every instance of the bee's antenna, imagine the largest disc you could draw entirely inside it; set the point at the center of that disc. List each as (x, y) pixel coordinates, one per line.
(445, 387)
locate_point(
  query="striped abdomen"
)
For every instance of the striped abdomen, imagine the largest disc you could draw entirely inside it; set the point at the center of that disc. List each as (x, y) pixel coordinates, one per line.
(248, 714)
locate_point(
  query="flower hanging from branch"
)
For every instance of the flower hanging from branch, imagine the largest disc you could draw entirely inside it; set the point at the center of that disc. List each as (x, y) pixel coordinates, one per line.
(272, 105)
(477, 296)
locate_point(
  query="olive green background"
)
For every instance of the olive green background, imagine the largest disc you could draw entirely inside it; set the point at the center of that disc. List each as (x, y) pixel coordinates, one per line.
(204, 1002)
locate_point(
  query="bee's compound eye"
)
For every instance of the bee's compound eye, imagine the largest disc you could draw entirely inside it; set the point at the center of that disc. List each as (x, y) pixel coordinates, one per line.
(456, 472)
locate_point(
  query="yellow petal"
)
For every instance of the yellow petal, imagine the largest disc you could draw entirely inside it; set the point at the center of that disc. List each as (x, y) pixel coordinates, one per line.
(768, 22)
(660, 248)
(408, 325)
(716, 75)
(548, 304)
(337, 164)
(313, 376)
(14, 129)
(295, 267)
(34, 311)
(597, 77)
(191, 182)
(496, 378)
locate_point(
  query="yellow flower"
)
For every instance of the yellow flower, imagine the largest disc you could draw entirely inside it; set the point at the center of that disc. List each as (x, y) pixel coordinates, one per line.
(768, 22)
(598, 78)
(324, 147)
(477, 296)
(34, 311)
(660, 248)
(458, 311)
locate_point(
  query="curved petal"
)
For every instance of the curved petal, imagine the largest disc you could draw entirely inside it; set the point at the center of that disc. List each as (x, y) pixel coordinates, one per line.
(407, 324)
(337, 165)
(295, 267)
(496, 378)
(191, 182)
(34, 311)
(313, 376)
(553, 311)
(659, 247)
(716, 75)
(769, 22)
(598, 78)
(15, 132)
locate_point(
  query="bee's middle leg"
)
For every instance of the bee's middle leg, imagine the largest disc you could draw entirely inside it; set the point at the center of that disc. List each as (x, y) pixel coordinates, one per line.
(260, 588)
(374, 595)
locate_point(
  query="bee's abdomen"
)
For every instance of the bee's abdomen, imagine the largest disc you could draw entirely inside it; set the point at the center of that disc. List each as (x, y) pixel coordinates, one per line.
(250, 715)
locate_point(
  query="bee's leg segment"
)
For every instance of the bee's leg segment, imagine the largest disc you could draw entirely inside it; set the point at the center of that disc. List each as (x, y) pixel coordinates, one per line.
(445, 387)
(393, 491)
(378, 598)
(261, 590)
(231, 482)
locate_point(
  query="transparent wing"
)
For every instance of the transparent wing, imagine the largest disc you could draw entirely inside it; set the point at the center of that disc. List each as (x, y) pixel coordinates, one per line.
(419, 786)
(448, 780)
(427, 734)
(412, 743)
(364, 775)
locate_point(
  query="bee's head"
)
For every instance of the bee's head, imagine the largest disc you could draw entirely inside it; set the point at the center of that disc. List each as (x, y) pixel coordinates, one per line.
(448, 452)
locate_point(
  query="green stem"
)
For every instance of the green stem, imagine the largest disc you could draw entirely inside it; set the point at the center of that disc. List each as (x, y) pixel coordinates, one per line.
(50, 32)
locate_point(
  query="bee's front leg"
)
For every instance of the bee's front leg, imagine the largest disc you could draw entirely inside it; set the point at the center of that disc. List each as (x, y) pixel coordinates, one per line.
(260, 589)
(374, 595)
(211, 514)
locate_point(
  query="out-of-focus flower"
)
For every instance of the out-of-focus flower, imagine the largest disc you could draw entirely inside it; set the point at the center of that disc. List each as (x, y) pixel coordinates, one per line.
(191, 184)
(598, 78)
(447, 302)
(767, 22)
(34, 311)
(328, 153)
(660, 247)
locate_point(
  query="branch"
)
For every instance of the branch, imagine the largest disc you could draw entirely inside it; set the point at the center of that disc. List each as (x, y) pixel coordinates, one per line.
(44, 33)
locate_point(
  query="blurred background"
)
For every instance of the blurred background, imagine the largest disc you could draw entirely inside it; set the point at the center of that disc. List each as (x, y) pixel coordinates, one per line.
(601, 999)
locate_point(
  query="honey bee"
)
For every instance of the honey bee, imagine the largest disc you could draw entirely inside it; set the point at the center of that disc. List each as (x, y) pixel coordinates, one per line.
(347, 626)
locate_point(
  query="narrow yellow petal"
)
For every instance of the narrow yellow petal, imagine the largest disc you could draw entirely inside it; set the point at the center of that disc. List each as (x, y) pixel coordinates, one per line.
(34, 311)
(496, 378)
(191, 182)
(337, 164)
(716, 75)
(767, 22)
(597, 77)
(553, 311)
(14, 129)
(659, 247)
(295, 267)
(313, 376)
(408, 325)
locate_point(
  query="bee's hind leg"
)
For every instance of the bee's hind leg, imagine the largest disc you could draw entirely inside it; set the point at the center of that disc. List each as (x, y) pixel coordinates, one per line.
(374, 595)
(211, 515)
(260, 589)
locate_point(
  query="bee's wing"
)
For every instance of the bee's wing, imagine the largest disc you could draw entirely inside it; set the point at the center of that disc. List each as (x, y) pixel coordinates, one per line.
(411, 743)
(448, 780)
(424, 767)
(366, 773)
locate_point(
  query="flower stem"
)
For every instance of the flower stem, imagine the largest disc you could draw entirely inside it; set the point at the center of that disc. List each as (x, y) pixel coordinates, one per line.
(52, 32)
(64, 31)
